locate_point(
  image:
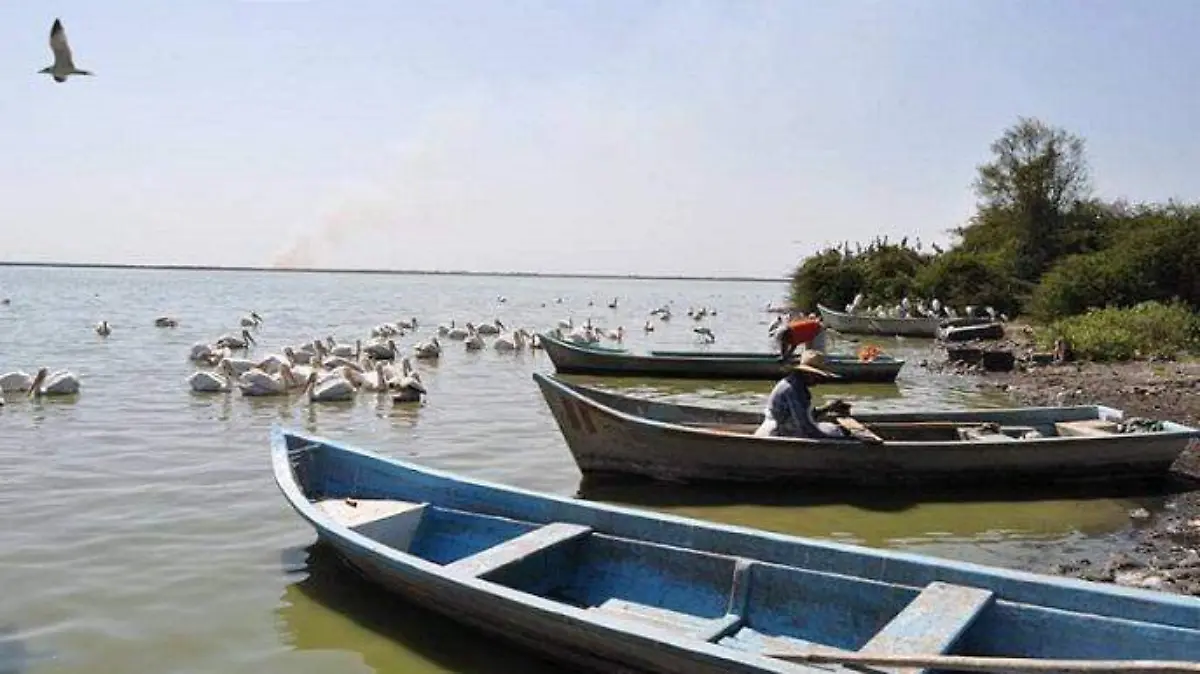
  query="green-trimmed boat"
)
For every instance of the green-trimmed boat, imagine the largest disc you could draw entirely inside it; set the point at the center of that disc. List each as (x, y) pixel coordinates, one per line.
(572, 358)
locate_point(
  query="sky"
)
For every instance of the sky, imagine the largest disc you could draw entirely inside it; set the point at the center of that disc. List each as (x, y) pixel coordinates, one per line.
(611, 136)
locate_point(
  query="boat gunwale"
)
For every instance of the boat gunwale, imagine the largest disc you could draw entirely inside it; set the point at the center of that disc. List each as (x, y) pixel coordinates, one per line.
(1180, 431)
(996, 578)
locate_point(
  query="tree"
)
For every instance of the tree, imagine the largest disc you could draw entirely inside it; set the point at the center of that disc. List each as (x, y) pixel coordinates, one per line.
(1037, 175)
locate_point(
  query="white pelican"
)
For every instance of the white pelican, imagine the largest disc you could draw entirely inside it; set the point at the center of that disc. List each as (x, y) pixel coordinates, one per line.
(236, 343)
(240, 366)
(15, 382)
(616, 335)
(492, 328)
(60, 383)
(272, 362)
(103, 329)
(410, 324)
(385, 330)
(373, 380)
(258, 383)
(210, 381)
(165, 322)
(335, 388)
(430, 350)
(535, 341)
(64, 65)
(444, 329)
(345, 350)
(253, 320)
(474, 342)
(705, 333)
(460, 333)
(514, 343)
(648, 327)
(566, 323)
(334, 362)
(381, 350)
(410, 386)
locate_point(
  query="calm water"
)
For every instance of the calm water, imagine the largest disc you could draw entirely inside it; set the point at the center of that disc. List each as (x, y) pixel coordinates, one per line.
(143, 531)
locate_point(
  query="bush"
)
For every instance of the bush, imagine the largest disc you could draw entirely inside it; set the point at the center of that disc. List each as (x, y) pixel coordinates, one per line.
(1149, 329)
(828, 278)
(959, 278)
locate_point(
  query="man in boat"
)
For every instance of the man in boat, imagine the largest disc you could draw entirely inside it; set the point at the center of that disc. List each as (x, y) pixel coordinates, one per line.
(807, 331)
(790, 411)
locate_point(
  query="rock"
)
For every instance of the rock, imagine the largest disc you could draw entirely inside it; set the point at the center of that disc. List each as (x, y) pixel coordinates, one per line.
(1143, 578)
(1139, 514)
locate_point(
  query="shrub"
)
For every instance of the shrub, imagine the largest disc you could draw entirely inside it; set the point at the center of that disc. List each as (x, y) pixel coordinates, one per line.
(959, 278)
(1145, 330)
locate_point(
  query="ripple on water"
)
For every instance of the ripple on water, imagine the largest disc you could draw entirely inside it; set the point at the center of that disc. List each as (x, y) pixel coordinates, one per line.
(143, 530)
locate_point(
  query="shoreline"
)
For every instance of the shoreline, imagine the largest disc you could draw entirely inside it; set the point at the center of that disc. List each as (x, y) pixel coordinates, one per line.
(1157, 550)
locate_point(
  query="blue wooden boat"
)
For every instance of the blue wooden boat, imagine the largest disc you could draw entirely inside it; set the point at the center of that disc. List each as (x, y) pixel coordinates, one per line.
(612, 589)
(571, 358)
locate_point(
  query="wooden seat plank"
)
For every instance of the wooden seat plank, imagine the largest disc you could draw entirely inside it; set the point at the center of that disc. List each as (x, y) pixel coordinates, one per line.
(931, 624)
(517, 549)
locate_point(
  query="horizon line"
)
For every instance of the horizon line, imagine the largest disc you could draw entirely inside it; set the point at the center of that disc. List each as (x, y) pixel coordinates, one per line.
(389, 272)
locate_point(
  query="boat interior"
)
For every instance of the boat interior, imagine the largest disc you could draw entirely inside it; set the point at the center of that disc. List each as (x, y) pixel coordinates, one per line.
(947, 431)
(741, 604)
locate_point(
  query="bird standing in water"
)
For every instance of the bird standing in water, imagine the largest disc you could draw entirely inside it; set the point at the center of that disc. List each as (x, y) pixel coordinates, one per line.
(64, 65)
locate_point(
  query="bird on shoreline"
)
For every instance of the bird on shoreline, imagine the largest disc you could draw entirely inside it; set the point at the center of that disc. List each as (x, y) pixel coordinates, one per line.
(64, 64)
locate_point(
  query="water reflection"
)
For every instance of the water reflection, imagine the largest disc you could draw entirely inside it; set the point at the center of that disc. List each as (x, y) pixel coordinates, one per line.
(334, 608)
(888, 517)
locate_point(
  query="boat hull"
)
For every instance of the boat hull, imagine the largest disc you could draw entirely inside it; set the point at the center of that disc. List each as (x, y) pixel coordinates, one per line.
(570, 358)
(608, 433)
(849, 596)
(855, 324)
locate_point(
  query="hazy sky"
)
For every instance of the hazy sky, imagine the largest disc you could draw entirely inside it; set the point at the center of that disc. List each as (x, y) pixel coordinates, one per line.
(613, 136)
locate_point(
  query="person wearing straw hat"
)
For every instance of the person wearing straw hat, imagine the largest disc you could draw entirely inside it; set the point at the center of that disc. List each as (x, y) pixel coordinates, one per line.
(790, 411)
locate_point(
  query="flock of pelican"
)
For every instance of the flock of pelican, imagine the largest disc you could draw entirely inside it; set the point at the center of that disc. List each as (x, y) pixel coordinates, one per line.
(324, 369)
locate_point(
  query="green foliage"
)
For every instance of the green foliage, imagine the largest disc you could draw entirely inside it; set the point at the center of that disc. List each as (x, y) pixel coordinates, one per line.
(1145, 330)
(884, 272)
(1153, 254)
(959, 278)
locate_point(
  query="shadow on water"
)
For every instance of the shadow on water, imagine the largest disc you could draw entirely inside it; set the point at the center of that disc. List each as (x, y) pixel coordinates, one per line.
(885, 518)
(335, 608)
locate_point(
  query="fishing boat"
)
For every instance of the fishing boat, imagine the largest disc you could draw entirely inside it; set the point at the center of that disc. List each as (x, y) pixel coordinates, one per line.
(572, 358)
(618, 434)
(912, 326)
(609, 589)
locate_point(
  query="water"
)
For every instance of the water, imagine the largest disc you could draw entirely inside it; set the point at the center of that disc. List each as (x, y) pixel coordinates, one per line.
(143, 531)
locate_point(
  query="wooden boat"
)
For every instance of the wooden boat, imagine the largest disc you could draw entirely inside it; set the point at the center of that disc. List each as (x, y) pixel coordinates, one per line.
(611, 589)
(962, 333)
(862, 324)
(618, 434)
(571, 358)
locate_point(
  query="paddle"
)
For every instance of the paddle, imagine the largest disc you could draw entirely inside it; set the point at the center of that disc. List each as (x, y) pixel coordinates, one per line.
(986, 664)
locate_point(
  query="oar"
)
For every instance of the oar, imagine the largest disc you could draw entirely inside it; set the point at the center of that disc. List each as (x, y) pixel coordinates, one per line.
(985, 664)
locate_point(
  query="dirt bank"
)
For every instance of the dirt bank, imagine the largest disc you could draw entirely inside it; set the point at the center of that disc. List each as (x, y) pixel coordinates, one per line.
(1160, 550)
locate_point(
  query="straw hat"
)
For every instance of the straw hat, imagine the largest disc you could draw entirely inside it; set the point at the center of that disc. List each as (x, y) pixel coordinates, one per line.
(814, 362)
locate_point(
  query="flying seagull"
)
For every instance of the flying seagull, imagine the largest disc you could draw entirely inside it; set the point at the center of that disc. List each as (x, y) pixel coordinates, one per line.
(63, 65)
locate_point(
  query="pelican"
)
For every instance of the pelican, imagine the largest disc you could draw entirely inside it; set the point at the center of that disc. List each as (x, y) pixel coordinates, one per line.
(62, 382)
(616, 335)
(273, 362)
(535, 341)
(444, 329)
(410, 324)
(165, 322)
(253, 320)
(103, 329)
(428, 350)
(613, 303)
(460, 333)
(474, 342)
(335, 388)
(514, 343)
(381, 350)
(205, 352)
(207, 381)
(410, 386)
(236, 343)
(240, 366)
(648, 327)
(345, 350)
(566, 323)
(64, 65)
(492, 328)
(375, 380)
(705, 333)
(258, 383)
(15, 382)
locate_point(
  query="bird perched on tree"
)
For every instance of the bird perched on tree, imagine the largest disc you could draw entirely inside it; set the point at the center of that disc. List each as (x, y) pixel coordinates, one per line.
(64, 65)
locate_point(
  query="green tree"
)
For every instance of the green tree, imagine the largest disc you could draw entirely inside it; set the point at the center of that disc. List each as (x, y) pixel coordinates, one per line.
(1037, 175)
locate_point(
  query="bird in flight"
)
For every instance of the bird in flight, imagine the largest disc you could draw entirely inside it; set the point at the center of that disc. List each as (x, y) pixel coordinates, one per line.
(63, 64)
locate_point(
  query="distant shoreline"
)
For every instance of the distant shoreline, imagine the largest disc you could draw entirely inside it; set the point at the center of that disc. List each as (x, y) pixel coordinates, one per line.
(392, 272)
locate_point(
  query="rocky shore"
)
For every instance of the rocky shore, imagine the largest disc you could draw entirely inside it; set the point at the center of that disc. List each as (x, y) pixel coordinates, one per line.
(1159, 550)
